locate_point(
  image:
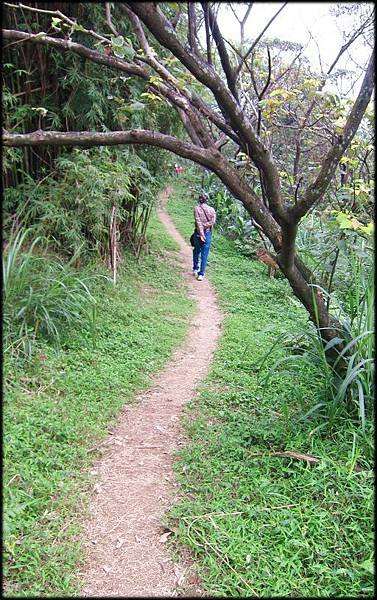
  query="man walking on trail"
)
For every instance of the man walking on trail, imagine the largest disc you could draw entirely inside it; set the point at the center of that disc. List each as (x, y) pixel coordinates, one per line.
(205, 218)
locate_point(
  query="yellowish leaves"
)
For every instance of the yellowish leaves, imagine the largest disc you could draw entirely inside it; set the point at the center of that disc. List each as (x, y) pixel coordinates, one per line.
(346, 220)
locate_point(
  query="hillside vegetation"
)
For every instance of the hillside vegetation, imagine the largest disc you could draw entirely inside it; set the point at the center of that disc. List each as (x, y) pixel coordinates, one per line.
(257, 519)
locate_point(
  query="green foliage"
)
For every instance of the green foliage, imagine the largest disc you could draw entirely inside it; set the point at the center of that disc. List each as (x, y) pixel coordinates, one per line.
(61, 405)
(41, 296)
(67, 92)
(73, 209)
(333, 252)
(255, 523)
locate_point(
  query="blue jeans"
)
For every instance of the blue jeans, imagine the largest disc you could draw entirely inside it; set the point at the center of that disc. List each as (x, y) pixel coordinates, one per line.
(201, 249)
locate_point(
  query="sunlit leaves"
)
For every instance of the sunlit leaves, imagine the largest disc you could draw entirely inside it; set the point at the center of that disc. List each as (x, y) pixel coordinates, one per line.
(40, 110)
(122, 48)
(346, 220)
(154, 98)
(55, 23)
(284, 94)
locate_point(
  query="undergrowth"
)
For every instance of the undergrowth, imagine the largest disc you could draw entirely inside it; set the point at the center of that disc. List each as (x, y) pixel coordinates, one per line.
(258, 523)
(60, 405)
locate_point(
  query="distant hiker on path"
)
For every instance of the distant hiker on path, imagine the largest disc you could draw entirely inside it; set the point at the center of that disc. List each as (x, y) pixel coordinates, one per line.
(205, 218)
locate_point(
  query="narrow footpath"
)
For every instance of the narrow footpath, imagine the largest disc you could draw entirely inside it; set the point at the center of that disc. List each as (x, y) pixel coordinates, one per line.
(125, 543)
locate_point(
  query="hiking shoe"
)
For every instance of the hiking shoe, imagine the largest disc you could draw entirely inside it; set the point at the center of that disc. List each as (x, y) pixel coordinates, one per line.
(195, 272)
(200, 277)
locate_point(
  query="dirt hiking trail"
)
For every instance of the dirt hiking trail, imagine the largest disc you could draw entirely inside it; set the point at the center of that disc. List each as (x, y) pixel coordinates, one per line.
(125, 542)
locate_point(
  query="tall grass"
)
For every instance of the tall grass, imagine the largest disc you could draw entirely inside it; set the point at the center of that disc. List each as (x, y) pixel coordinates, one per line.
(41, 296)
(352, 386)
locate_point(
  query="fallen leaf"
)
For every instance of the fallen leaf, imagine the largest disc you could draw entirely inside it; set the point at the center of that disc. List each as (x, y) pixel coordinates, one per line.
(164, 537)
(297, 456)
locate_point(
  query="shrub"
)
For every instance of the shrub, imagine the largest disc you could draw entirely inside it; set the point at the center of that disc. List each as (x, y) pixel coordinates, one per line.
(73, 205)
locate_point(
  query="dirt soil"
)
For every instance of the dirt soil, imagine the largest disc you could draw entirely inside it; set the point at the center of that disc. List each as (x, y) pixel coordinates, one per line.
(125, 540)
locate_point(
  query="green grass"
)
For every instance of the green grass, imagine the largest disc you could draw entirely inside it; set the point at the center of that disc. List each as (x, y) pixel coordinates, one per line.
(257, 524)
(63, 404)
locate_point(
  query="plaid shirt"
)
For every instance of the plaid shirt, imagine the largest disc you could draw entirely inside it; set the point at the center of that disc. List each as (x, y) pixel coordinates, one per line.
(205, 217)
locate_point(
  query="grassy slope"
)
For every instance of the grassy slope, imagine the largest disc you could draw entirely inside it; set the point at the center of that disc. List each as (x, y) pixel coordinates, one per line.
(64, 404)
(258, 524)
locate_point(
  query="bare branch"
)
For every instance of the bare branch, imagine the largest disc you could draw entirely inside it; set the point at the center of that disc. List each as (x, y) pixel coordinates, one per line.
(192, 27)
(258, 38)
(174, 22)
(108, 19)
(316, 190)
(208, 34)
(59, 14)
(354, 37)
(260, 96)
(224, 58)
(243, 22)
(246, 15)
(65, 45)
(296, 190)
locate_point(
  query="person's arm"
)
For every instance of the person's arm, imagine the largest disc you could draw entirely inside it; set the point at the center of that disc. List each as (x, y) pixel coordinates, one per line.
(209, 216)
(213, 216)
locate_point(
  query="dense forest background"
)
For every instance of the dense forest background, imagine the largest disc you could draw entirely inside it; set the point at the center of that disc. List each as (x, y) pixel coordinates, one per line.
(79, 219)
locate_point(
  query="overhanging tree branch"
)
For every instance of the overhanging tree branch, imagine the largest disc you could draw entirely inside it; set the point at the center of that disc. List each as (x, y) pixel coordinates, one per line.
(112, 138)
(155, 21)
(210, 158)
(119, 64)
(68, 45)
